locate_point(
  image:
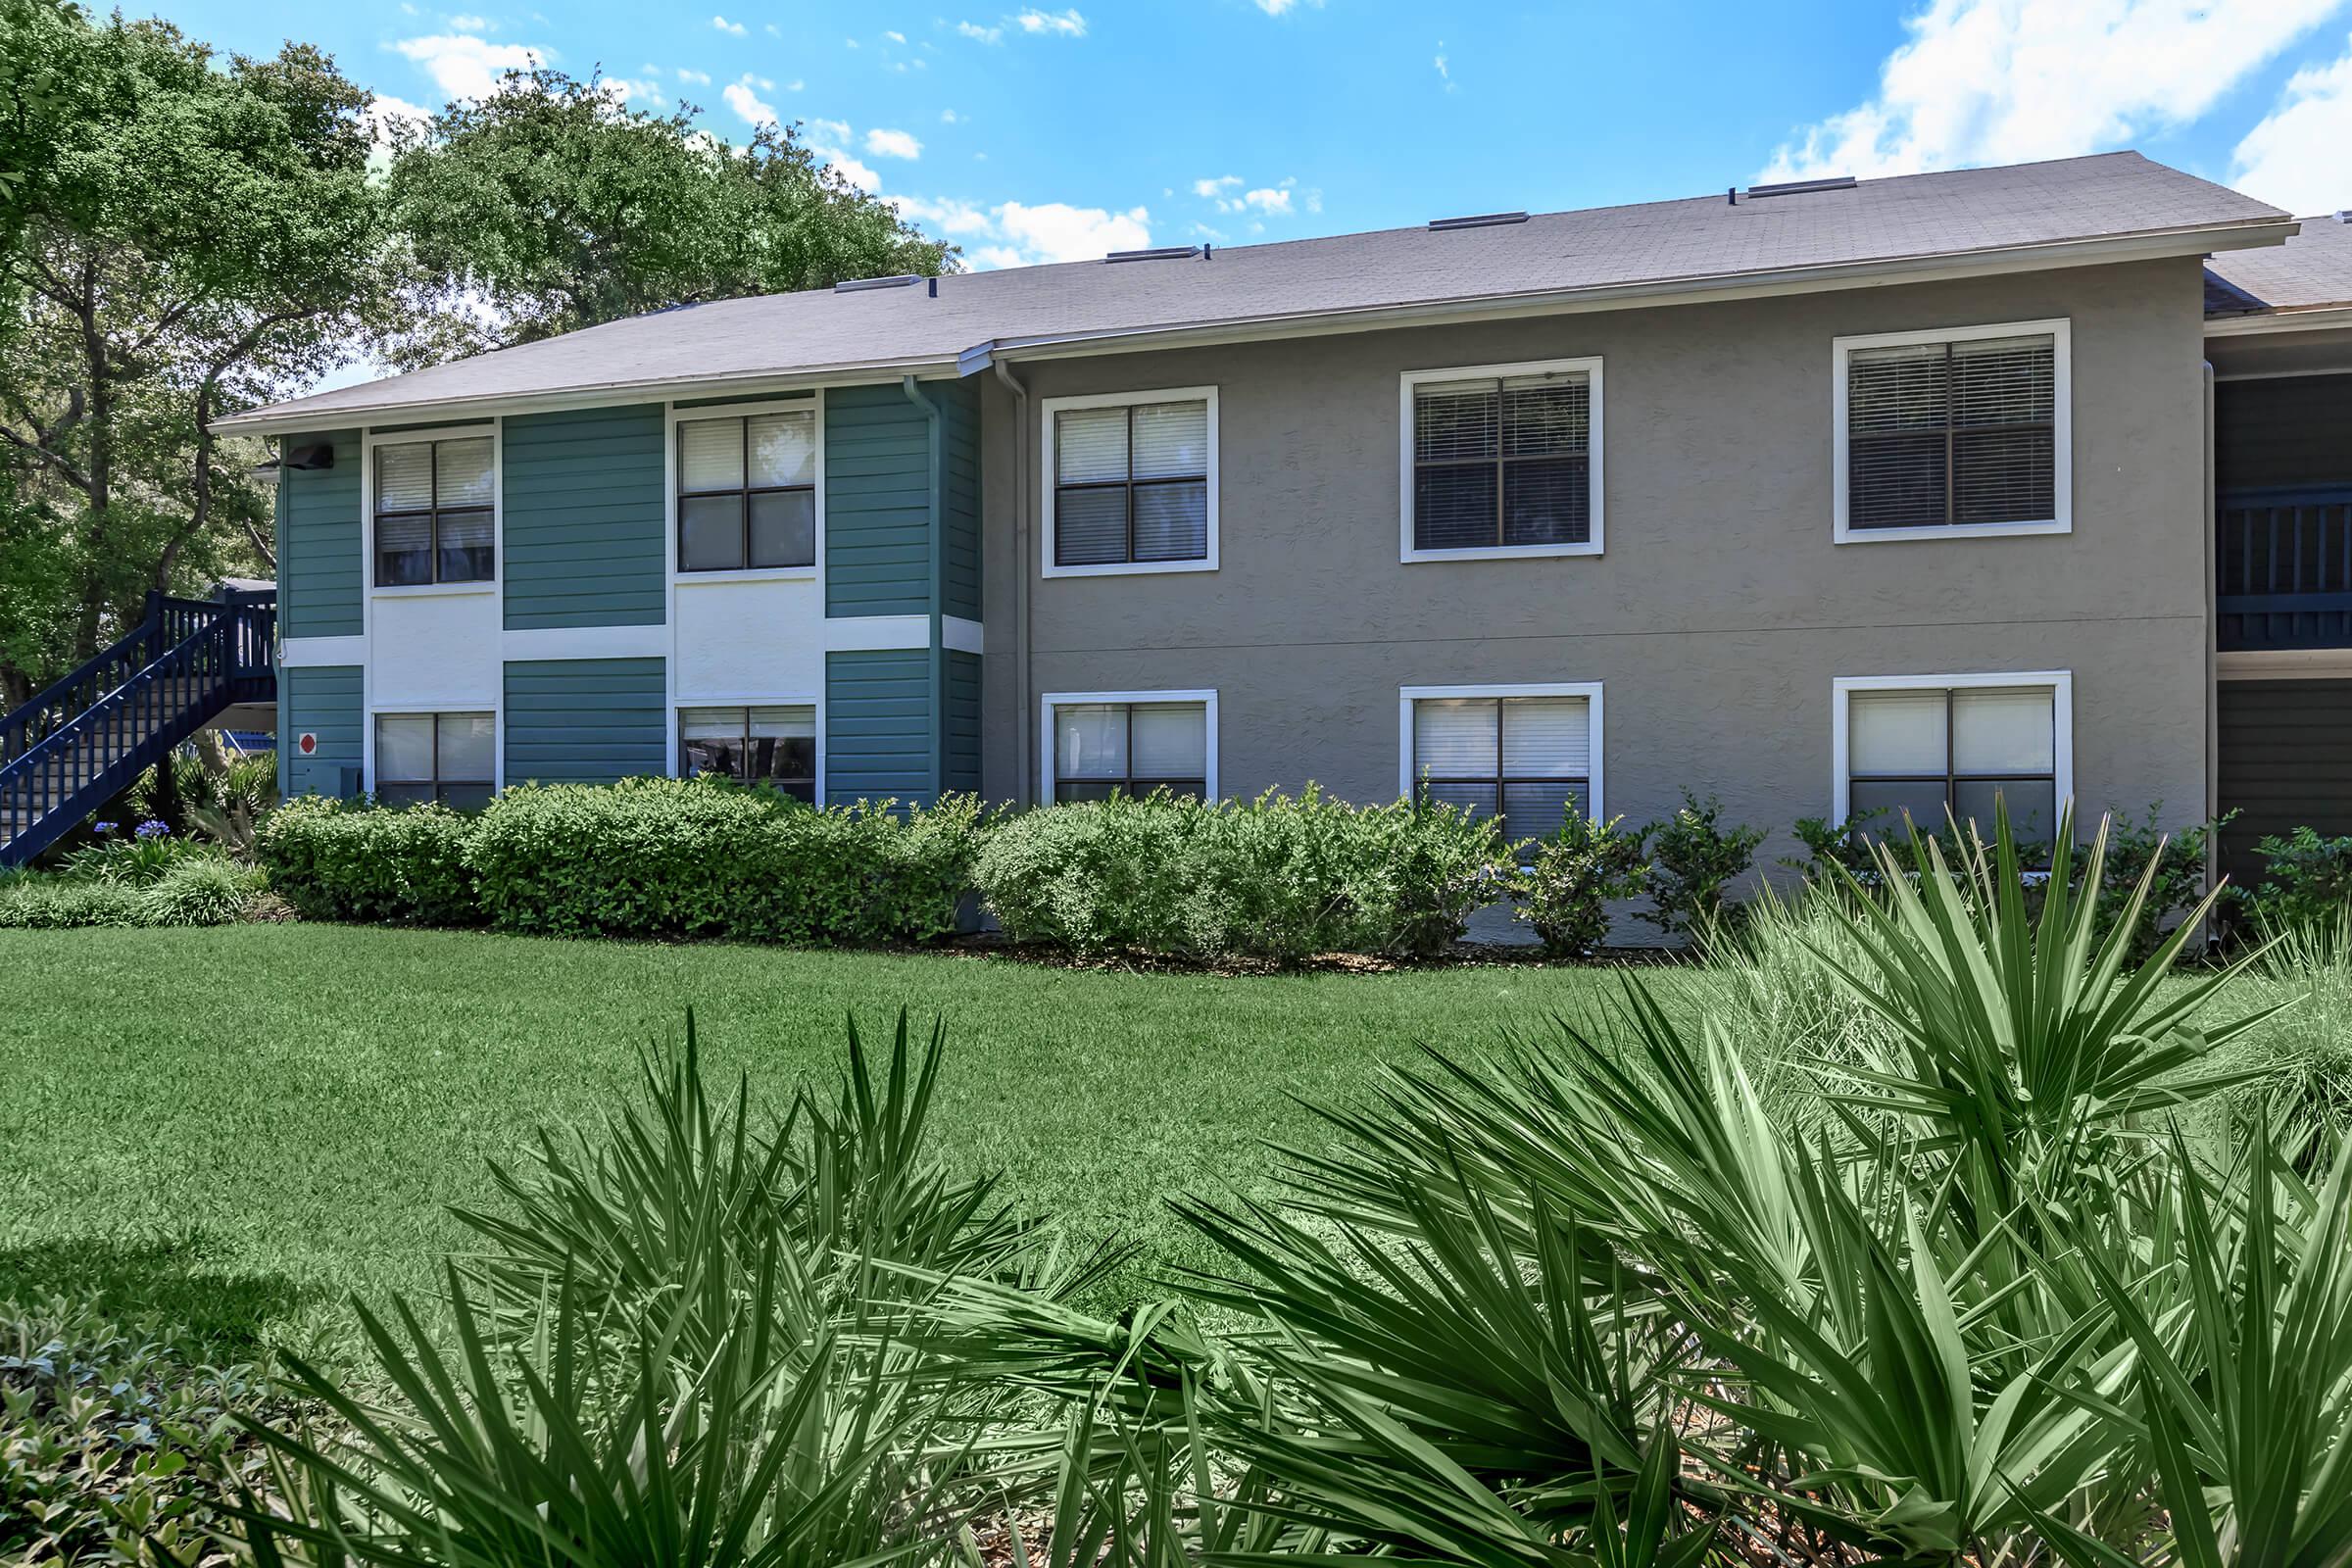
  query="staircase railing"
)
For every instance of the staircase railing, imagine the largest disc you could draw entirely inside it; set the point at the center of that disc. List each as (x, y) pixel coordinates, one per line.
(88, 737)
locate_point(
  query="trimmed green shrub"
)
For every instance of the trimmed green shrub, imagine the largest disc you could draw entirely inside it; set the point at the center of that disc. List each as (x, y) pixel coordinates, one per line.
(1565, 880)
(2306, 879)
(200, 890)
(1693, 859)
(132, 862)
(55, 903)
(1280, 878)
(350, 861)
(659, 856)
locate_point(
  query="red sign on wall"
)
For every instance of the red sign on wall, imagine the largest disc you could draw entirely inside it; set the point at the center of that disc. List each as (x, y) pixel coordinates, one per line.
(306, 742)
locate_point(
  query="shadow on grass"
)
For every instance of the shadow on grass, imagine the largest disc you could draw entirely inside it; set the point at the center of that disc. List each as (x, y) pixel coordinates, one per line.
(167, 1286)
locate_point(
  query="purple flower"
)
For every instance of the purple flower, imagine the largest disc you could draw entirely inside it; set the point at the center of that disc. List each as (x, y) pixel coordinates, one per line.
(103, 828)
(154, 827)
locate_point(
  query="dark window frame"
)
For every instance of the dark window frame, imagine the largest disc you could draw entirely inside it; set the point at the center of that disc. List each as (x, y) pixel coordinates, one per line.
(1951, 778)
(745, 741)
(439, 786)
(1951, 430)
(1131, 485)
(432, 514)
(1501, 463)
(1132, 785)
(1501, 781)
(744, 492)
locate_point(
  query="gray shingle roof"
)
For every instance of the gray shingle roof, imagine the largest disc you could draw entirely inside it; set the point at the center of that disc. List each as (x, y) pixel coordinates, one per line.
(2310, 271)
(1653, 246)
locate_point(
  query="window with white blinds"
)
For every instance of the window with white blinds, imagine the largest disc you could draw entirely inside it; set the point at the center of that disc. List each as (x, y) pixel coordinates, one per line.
(1961, 431)
(774, 746)
(1502, 460)
(1104, 748)
(1932, 753)
(1134, 485)
(747, 491)
(435, 512)
(1526, 759)
(449, 758)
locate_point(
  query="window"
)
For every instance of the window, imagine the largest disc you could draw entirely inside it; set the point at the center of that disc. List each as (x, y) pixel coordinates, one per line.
(1134, 483)
(1936, 744)
(751, 746)
(1502, 460)
(1523, 754)
(435, 512)
(1956, 432)
(1108, 742)
(747, 491)
(450, 758)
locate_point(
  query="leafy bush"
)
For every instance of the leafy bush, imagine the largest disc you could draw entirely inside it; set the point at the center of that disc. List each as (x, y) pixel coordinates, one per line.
(200, 890)
(49, 903)
(350, 861)
(1280, 878)
(133, 860)
(1693, 859)
(659, 857)
(2306, 880)
(1564, 882)
(2299, 1063)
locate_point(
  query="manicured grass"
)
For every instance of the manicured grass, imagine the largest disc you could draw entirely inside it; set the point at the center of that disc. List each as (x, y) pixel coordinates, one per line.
(236, 1128)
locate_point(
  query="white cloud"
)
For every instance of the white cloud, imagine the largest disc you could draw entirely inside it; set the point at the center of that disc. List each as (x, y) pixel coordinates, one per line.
(474, 24)
(895, 38)
(974, 29)
(1276, 8)
(948, 215)
(1023, 234)
(948, 117)
(1986, 81)
(1212, 188)
(748, 104)
(892, 144)
(463, 66)
(1269, 201)
(1059, 23)
(795, 84)
(858, 172)
(701, 77)
(621, 89)
(771, 29)
(2295, 158)
(835, 130)
(1443, 74)
(725, 26)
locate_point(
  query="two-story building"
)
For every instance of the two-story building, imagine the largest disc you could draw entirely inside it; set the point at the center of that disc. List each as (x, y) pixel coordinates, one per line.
(1823, 498)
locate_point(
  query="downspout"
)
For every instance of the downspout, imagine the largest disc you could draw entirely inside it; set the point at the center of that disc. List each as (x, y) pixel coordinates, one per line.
(939, 575)
(1025, 745)
(2213, 658)
(277, 546)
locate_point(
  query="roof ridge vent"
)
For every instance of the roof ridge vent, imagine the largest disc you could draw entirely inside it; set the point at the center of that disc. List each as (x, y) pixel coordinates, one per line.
(858, 285)
(1439, 225)
(1802, 187)
(1158, 253)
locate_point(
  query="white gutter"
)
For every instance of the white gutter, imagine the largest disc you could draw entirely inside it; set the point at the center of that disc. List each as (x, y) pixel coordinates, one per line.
(2309, 319)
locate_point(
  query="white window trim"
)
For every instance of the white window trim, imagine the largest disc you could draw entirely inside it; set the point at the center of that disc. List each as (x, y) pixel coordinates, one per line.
(1593, 444)
(2061, 684)
(1207, 697)
(372, 439)
(814, 571)
(2062, 432)
(1049, 411)
(815, 703)
(1589, 689)
(496, 708)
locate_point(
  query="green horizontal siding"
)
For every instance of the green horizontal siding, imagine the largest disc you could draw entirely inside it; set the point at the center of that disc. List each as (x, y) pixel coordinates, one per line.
(877, 503)
(319, 553)
(959, 404)
(325, 701)
(961, 734)
(878, 728)
(585, 720)
(583, 519)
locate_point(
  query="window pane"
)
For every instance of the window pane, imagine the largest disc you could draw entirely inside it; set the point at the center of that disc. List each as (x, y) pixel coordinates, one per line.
(1090, 526)
(1454, 737)
(404, 477)
(710, 455)
(1170, 740)
(784, 448)
(1547, 502)
(2004, 731)
(2008, 381)
(1924, 800)
(462, 472)
(2004, 477)
(2032, 808)
(784, 528)
(468, 547)
(1090, 444)
(1478, 797)
(1546, 737)
(467, 749)
(1895, 732)
(1454, 419)
(1546, 415)
(802, 785)
(709, 723)
(782, 723)
(1070, 792)
(1898, 388)
(1171, 521)
(465, 797)
(1171, 440)
(1454, 508)
(710, 533)
(404, 551)
(722, 756)
(1898, 482)
(404, 748)
(1532, 810)
(388, 793)
(1090, 741)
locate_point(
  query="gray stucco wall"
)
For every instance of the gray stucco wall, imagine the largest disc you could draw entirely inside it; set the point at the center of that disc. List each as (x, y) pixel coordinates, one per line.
(1722, 609)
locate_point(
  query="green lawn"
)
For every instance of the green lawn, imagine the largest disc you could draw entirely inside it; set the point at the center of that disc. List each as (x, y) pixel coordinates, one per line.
(236, 1128)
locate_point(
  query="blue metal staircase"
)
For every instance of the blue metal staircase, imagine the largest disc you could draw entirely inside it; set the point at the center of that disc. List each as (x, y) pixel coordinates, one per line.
(81, 742)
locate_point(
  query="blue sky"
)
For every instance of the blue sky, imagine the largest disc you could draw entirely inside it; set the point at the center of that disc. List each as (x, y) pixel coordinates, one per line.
(1047, 131)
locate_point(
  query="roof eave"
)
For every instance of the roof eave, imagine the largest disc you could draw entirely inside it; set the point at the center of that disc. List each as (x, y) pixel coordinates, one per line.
(2290, 319)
